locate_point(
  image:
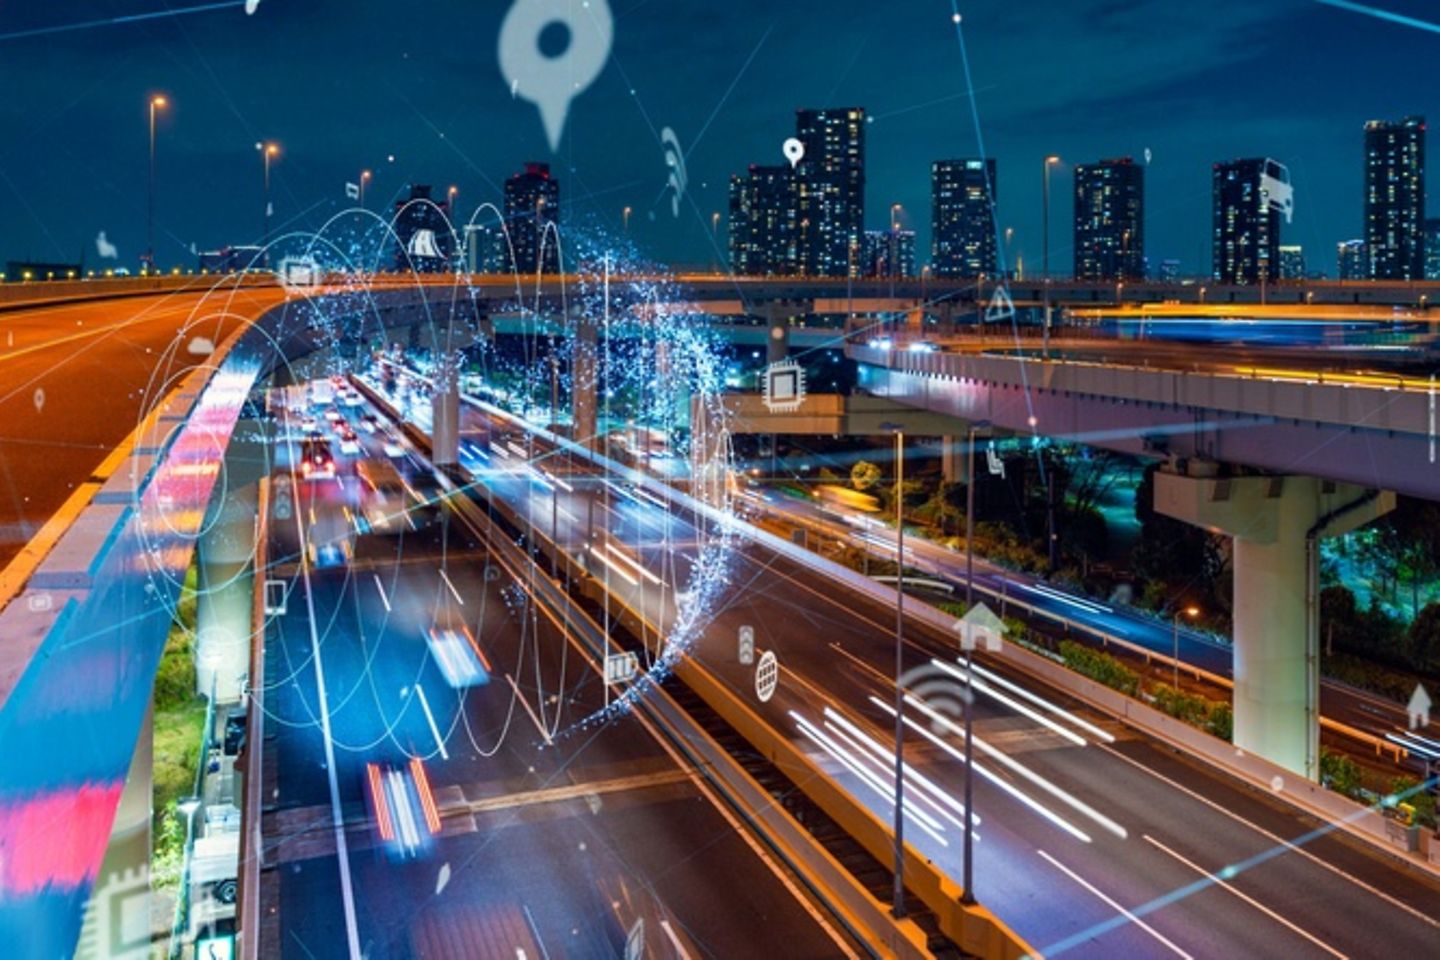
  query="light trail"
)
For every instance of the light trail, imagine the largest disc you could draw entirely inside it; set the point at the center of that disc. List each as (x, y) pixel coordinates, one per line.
(1015, 705)
(1033, 698)
(117, 21)
(1379, 14)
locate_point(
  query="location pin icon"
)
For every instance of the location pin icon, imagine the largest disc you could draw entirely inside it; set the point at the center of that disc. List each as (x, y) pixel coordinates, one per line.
(551, 82)
(39, 399)
(794, 151)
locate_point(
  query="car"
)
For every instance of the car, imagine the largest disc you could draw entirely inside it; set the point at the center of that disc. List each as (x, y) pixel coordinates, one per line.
(402, 807)
(456, 652)
(352, 398)
(369, 422)
(235, 726)
(393, 446)
(331, 414)
(316, 460)
(308, 424)
(349, 442)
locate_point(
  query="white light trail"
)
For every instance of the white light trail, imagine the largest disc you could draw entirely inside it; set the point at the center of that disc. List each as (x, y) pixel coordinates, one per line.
(1015, 705)
(1083, 724)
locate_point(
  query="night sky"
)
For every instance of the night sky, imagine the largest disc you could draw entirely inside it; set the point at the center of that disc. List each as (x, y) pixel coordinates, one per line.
(342, 85)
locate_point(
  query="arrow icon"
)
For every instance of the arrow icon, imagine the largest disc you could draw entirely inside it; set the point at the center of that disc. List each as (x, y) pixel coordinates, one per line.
(1419, 708)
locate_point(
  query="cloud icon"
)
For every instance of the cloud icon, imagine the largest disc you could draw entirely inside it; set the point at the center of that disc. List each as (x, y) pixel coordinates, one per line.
(200, 347)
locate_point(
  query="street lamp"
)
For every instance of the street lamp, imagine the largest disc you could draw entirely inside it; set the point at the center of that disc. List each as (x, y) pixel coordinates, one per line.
(968, 881)
(157, 102)
(365, 176)
(1192, 612)
(450, 198)
(268, 152)
(187, 806)
(625, 219)
(895, 209)
(1045, 259)
(897, 907)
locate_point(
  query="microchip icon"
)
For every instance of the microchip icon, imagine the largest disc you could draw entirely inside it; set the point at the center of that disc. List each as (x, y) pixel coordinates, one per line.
(784, 386)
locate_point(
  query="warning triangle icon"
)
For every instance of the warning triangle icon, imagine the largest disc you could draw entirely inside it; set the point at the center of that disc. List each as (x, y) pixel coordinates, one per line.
(1001, 306)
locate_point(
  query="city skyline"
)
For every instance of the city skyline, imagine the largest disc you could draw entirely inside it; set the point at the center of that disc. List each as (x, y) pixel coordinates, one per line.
(60, 193)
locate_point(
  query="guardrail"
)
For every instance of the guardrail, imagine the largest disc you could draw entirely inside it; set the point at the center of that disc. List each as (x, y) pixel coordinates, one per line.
(24, 296)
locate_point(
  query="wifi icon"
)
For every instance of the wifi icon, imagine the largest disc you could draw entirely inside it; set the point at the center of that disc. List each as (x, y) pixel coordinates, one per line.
(938, 689)
(675, 160)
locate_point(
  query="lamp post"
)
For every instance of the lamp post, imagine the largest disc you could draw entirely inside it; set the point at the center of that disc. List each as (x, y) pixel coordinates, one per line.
(625, 219)
(1192, 612)
(1045, 256)
(365, 176)
(187, 806)
(450, 198)
(268, 152)
(895, 209)
(968, 880)
(897, 906)
(156, 103)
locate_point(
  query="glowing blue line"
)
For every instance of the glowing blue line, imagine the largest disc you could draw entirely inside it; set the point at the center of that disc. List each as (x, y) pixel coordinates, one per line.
(1379, 14)
(112, 21)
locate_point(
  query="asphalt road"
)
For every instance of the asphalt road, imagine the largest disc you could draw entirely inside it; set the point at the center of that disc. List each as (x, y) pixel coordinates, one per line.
(546, 850)
(1102, 849)
(76, 379)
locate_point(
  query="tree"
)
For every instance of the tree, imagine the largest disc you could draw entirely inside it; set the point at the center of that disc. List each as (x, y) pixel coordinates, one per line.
(1424, 638)
(1184, 557)
(864, 475)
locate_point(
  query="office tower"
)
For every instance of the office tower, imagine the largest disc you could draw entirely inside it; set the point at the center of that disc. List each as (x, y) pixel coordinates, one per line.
(830, 191)
(1245, 222)
(532, 204)
(962, 218)
(1110, 220)
(1292, 262)
(763, 222)
(888, 253)
(425, 241)
(1353, 260)
(1432, 248)
(484, 244)
(1395, 198)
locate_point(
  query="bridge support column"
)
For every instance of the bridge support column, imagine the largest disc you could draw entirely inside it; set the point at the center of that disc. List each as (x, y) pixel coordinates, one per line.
(585, 384)
(1276, 523)
(445, 411)
(226, 591)
(952, 459)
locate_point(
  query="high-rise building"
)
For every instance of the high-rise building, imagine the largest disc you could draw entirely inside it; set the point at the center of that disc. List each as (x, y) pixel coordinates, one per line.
(1395, 198)
(1245, 223)
(1432, 248)
(1169, 271)
(532, 204)
(888, 253)
(830, 188)
(962, 218)
(1292, 262)
(425, 240)
(764, 222)
(1353, 260)
(483, 247)
(1110, 220)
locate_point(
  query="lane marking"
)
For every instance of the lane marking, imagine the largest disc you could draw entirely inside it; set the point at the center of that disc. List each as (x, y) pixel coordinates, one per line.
(1106, 899)
(453, 592)
(381, 587)
(1281, 841)
(1248, 899)
(430, 719)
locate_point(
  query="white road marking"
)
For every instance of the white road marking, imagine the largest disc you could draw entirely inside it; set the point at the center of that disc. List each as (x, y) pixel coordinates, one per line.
(453, 592)
(430, 719)
(381, 587)
(1125, 913)
(1248, 899)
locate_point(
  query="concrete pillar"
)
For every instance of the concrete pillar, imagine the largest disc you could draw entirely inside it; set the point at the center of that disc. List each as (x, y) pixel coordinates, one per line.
(584, 383)
(225, 593)
(777, 343)
(445, 411)
(1277, 523)
(952, 459)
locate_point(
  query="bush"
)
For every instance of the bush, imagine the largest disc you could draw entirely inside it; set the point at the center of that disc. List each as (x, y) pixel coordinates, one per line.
(1340, 773)
(1100, 667)
(1222, 721)
(1183, 706)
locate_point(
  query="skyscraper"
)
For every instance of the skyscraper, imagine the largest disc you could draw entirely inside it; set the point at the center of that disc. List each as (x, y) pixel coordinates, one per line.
(888, 253)
(1110, 220)
(1245, 223)
(1292, 262)
(532, 201)
(830, 188)
(962, 218)
(763, 222)
(1352, 260)
(1395, 198)
(1432, 248)
(426, 241)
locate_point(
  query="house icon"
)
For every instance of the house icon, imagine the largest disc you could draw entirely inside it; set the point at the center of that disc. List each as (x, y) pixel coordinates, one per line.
(980, 629)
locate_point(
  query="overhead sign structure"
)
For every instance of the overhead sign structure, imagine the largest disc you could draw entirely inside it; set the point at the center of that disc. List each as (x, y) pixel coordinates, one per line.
(784, 386)
(980, 629)
(620, 667)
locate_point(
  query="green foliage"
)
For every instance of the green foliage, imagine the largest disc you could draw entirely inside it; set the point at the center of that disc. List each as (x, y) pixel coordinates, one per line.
(1222, 721)
(1340, 773)
(1406, 789)
(1183, 706)
(1101, 667)
(1423, 638)
(864, 475)
(1368, 675)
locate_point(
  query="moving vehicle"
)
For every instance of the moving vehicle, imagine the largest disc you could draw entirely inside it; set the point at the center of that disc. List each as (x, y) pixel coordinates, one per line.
(389, 503)
(402, 806)
(316, 460)
(456, 651)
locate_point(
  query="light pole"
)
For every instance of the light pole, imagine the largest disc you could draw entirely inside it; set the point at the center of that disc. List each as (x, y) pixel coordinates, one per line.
(156, 103)
(187, 806)
(268, 152)
(365, 176)
(625, 219)
(1192, 612)
(968, 881)
(1045, 258)
(895, 209)
(897, 906)
(450, 198)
